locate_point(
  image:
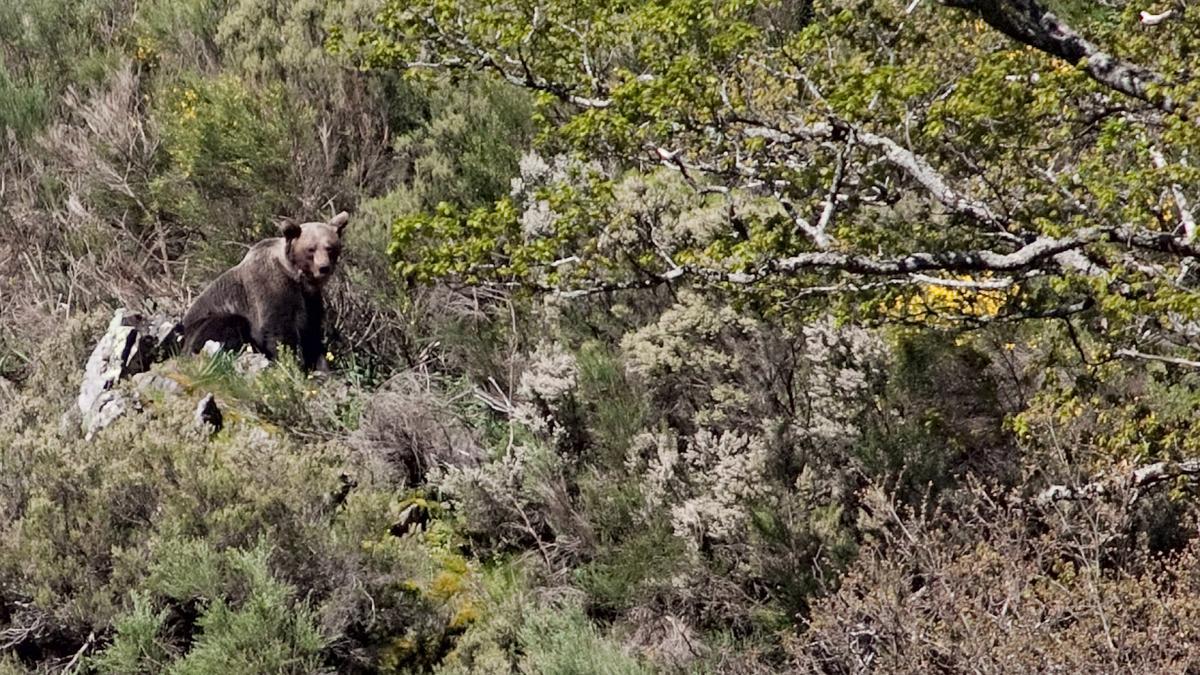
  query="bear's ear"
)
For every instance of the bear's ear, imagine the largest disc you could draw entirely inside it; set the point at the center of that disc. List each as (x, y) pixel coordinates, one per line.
(289, 228)
(339, 221)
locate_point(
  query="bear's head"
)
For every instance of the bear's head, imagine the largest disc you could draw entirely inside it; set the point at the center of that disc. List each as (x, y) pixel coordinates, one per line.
(313, 248)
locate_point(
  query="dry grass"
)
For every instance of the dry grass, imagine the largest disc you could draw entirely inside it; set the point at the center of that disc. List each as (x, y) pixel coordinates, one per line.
(412, 426)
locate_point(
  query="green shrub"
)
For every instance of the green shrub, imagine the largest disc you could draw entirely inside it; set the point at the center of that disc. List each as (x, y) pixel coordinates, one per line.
(948, 393)
(466, 150)
(246, 620)
(616, 410)
(564, 641)
(252, 550)
(177, 34)
(229, 151)
(136, 647)
(516, 632)
(23, 108)
(53, 44)
(633, 570)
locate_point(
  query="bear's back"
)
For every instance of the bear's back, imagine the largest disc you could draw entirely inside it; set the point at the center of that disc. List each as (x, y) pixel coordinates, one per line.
(268, 276)
(264, 255)
(259, 277)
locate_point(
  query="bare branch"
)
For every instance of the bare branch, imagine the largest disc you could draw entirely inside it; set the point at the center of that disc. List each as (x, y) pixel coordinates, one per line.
(673, 159)
(73, 664)
(1039, 250)
(1030, 260)
(500, 401)
(831, 198)
(1135, 354)
(1030, 255)
(1137, 480)
(1001, 283)
(816, 235)
(1181, 202)
(485, 59)
(917, 167)
(924, 173)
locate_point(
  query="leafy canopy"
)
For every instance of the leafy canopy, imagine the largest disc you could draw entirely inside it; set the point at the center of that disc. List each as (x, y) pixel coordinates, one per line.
(872, 150)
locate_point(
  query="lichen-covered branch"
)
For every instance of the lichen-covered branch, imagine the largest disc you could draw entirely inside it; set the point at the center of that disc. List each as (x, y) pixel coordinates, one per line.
(1137, 480)
(1028, 22)
(1135, 354)
(1038, 251)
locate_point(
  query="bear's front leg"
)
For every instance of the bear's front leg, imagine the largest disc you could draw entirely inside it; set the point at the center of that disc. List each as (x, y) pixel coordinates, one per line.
(312, 342)
(272, 339)
(312, 349)
(278, 324)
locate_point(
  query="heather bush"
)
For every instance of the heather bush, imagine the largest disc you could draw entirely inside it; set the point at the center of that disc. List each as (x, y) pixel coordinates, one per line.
(564, 641)
(411, 428)
(54, 44)
(518, 500)
(705, 513)
(247, 620)
(523, 630)
(24, 108)
(174, 36)
(252, 550)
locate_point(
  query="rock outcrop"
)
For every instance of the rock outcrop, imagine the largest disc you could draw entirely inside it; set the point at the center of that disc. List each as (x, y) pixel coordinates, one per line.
(130, 345)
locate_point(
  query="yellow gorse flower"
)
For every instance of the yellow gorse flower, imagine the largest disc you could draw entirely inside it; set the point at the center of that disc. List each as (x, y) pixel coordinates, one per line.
(934, 304)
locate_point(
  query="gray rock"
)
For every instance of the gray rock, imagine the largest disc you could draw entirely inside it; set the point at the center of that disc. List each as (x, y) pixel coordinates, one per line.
(247, 361)
(129, 346)
(71, 423)
(108, 407)
(106, 363)
(208, 415)
(147, 383)
(168, 335)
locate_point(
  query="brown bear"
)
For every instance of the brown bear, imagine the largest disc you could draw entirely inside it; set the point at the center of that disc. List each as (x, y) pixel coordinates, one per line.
(273, 296)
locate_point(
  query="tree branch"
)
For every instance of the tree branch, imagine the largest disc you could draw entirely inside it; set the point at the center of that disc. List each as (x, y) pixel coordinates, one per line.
(1135, 354)
(915, 166)
(1039, 250)
(1028, 22)
(910, 268)
(1181, 202)
(485, 59)
(1137, 480)
(924, 173)
(829, 207)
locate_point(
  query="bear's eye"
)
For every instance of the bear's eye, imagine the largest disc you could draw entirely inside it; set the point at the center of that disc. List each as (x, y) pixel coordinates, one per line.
(312, 249)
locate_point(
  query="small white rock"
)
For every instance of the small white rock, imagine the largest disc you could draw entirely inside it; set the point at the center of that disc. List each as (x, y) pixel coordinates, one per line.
(1149, 19)
(251, 363)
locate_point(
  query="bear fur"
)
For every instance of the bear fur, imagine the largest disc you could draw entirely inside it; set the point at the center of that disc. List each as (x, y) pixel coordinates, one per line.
(273, 297)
